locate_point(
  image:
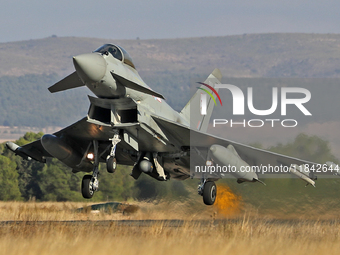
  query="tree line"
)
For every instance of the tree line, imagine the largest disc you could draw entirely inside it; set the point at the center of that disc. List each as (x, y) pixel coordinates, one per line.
(23, 180)
(53, 181)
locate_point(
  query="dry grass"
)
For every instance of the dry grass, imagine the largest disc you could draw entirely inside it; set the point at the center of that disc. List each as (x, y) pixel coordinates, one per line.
(244, 237)
(246, 233)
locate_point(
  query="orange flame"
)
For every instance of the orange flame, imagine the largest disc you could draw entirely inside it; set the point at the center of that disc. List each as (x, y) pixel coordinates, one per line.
(227, 202)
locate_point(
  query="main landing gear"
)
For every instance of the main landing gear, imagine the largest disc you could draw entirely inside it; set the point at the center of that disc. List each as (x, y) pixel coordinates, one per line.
(208, 190)
(90, 183)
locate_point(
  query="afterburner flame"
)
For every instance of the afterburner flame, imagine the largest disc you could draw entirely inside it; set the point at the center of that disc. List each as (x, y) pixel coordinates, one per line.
(227, 202)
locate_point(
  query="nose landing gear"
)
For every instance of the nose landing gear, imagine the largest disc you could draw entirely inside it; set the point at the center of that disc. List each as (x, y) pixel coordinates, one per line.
(111, 162)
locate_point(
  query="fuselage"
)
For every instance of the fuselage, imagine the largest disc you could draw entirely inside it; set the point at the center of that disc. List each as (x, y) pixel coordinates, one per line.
(111, 75)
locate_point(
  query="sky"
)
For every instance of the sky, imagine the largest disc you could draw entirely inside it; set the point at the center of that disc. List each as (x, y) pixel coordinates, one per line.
(154, 19)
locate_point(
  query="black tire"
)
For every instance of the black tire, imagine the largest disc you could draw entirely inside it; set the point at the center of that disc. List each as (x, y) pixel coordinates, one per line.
(86, 188)
(111, 164)
(209, 193)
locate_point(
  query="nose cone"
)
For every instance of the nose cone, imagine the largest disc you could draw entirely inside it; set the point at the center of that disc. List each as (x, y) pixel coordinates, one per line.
(90, 67)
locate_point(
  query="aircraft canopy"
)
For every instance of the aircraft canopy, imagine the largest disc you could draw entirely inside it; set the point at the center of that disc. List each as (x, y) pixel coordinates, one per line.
(117, 52)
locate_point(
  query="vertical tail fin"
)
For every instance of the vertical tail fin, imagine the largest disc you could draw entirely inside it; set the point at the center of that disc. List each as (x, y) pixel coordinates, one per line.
(192, 111)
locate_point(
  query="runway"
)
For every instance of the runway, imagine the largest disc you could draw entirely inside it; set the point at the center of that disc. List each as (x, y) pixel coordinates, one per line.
(172, 223)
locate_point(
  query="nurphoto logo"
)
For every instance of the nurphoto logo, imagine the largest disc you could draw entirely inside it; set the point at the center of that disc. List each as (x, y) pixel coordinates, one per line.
(238, 104)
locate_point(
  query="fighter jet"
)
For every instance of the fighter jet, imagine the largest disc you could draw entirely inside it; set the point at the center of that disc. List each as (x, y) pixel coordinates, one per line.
(130, 124)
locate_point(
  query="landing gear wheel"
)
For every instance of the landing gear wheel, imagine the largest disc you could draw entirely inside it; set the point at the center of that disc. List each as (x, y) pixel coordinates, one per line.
(209, 193)
(86, 187)
(111, 164)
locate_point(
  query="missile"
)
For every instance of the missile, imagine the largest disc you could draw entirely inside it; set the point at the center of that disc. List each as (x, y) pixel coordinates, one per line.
(17, 150)
(303, 173)
(59, 149)
(145, 165)
(229, 157)
(24, 153)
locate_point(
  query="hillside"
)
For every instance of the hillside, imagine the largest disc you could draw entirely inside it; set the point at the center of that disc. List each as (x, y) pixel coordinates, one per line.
(254, 55)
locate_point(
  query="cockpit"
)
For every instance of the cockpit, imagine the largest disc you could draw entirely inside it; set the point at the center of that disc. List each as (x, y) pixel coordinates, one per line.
(117, 52)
